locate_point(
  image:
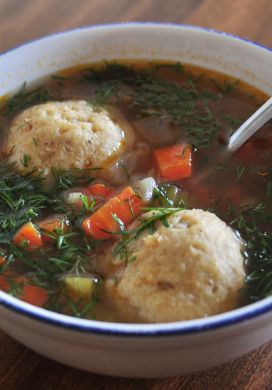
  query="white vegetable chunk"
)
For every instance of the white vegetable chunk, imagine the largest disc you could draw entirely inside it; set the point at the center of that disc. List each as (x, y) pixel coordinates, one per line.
(145, 188)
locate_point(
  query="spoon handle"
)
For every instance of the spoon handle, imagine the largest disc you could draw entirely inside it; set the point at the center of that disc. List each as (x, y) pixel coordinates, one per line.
(250, 126)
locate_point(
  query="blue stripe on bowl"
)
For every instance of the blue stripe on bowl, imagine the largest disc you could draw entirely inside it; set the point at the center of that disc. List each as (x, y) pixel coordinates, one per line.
(106, 328)
(240, 315)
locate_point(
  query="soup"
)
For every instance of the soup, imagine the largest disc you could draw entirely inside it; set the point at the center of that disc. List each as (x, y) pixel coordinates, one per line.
(118, 203)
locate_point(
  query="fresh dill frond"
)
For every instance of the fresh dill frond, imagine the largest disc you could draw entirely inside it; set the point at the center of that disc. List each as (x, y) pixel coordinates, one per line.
(169, 195)
(25, 160)
(234, 123)
(226, 87)
(76, 307)
(68, 178)
(240, 171)
(254, 225)
(21, 197)
(269, 190)
(183, 105)
(88, 204)
(24, 99)
(148, 223)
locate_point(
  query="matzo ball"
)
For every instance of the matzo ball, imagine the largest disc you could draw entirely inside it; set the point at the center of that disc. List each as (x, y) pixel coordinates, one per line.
(191, 269)
(64, 135)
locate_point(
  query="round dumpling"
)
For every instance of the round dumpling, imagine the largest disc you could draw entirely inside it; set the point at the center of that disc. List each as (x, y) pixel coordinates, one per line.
(65, 135)
(191, 269)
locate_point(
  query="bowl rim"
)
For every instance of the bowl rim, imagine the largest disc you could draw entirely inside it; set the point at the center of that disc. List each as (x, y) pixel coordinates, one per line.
(135, 24)
(178, 328)
(230, 318)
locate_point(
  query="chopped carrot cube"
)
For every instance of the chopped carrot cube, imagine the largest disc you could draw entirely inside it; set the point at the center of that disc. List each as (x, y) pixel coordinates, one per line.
(30, 293)
(29, 236)
(35, 295)
(174, 162)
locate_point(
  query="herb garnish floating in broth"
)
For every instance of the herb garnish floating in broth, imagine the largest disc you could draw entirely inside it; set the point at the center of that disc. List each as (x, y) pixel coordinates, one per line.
(101, 215)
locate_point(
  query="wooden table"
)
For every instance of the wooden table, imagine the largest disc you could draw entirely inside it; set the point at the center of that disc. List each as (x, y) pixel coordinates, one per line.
(21, 20)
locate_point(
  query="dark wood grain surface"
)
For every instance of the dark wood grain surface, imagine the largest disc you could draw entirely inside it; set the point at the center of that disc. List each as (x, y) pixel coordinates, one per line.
(21, 20)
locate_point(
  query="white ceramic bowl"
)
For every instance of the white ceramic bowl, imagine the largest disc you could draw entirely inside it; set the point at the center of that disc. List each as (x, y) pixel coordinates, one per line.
(129, 349)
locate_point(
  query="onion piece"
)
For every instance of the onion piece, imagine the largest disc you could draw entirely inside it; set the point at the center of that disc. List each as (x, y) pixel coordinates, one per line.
(145, 188)
(119, 118)
(73, 198)
(120, 171)
(156, 131)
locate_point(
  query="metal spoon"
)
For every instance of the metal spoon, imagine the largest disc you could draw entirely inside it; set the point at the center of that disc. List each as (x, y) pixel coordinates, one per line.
(250, 126)
(238, 138)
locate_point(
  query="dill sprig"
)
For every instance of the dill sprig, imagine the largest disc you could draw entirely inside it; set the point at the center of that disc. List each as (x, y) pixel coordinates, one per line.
(25, 98)
(226, 86)
(148, 222)
(184, 105)
(64, 303)
(21, 197)
(81, 309)
(66, 252)
(66, 179)
(240, 171)
(259, 264)
(254, 225)
(169, 195)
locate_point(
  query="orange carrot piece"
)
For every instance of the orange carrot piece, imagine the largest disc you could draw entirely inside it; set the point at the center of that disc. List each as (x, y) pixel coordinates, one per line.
(30, 293)
(126, 194)
(28, 235)
(130, 204)
(2, 260)
(35, 295)
(126, 206)
(4, 284)
(52, 223)
(100, 190)
(174, 162)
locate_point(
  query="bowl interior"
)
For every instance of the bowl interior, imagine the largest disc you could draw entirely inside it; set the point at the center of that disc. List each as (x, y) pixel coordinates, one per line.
(186, 44)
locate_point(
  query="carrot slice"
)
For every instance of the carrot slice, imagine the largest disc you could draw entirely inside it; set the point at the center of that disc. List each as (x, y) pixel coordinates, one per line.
(29, 236)
(125, 206)
(4, 284)
(52, 223)
(174, 162)
(130, 205)
(100, 190)
(35, 295)
(2, 260)
(30, 293)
